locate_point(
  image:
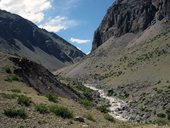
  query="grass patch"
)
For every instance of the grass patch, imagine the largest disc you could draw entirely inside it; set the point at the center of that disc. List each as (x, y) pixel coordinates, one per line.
(15, 90)
(161, 122)
(8, 96)
(161, 115)
(12, 78)
(14, 113)
(109, 118)
(24, 100)
(8, 69)
(86, 103)
(61, 111)
(103, 108)
(89, 117)
(41, 108)
(8, 79)
(51, 97)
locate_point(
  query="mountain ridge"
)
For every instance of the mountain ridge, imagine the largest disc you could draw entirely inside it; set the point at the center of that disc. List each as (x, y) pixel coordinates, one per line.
(21, 37)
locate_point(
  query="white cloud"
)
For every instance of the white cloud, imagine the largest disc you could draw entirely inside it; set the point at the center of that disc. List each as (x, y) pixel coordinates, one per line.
(58, 23)
(30, 9)
(79, 41)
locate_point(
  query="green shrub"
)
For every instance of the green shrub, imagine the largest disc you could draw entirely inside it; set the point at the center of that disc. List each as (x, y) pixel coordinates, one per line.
(110, 92)
(161, 122)
(61, 111)
(52, 97)
(103, 108)
(168, 111)
(109, 118)
(8, 96)
(41, 108)
(86, 103)
(13, 113)
(7, 70)
(24, 100)
(168, 117)
(89, 117)
(161, 115)
(15, 90)
(8, 79)
(12, 78)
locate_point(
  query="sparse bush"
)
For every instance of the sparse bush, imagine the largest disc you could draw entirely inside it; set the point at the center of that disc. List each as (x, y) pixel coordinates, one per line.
(8, 79)
(86, 103)
(110, 92)
(12, 78)
(15, 90)
(13, 113)
(103, 108)
(168, 111)
(61, 111)
(168, 117)
(41, 108)
(168, 114)
(109, 118)
(161, 115)
(87, 93)
(161, 122)
(158, 90)
(52, 97)
(89, 117)
(24, 100)
(158, 82)
(8, 96)
(7, 69)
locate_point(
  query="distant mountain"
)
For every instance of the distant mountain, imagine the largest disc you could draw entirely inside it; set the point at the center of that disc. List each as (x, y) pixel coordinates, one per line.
(21, 37)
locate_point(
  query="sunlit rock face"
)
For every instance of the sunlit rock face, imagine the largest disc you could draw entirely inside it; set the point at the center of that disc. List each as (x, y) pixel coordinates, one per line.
(126, 16)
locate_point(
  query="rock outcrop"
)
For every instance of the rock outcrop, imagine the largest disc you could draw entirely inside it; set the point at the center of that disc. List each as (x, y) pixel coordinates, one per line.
(41, 79)
(130, 16)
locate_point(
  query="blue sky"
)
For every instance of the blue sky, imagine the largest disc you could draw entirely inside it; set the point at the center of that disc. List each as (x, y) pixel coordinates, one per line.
(74, 20)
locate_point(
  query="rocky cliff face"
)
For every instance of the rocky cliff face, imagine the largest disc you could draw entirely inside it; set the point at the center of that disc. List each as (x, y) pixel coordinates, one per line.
(126, 16)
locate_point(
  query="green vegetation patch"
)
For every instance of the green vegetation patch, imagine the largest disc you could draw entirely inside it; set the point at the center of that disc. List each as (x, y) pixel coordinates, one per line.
(161, 115)
(14, 113)
(51, 97)
(61, 111)
(103, 108)
(15, 90)
(8, 96)
(161, 121)
(8, 69)
(86, 103)
(12, 78)
(109, 118)
(41, 108)
(24, 100)
(89, 116)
